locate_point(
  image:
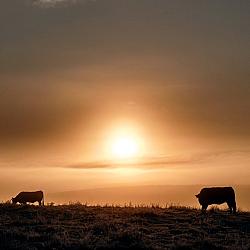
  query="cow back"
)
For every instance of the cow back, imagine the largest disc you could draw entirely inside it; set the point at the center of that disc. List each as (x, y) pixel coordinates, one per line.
(29, 197)
(216, 195)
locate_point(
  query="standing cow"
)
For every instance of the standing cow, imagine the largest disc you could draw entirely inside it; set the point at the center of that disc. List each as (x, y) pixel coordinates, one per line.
(217, 195)
(24, 197)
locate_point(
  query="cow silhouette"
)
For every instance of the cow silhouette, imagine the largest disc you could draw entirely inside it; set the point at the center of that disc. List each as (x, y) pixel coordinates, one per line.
(31, 197)
(217, 195)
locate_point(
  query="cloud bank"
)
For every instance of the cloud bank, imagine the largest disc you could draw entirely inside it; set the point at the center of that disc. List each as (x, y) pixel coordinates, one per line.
(54, 3)
(164, 161)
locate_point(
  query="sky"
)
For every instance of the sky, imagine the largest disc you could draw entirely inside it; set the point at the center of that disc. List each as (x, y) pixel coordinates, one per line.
(172, 75)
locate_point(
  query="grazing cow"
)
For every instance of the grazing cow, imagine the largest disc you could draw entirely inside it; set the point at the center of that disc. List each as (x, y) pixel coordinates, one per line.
(217, 195)
(31, 197)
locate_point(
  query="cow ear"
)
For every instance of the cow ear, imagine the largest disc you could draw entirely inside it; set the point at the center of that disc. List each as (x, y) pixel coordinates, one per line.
(197, 196)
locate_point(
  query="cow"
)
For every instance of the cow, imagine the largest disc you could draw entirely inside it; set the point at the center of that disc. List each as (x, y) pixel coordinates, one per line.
(217, 195)
(24, 197)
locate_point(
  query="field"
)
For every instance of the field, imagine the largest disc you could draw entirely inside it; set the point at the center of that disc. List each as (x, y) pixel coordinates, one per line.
(93, 227)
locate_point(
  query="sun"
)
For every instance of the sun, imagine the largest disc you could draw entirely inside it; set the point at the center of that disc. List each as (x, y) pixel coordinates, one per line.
(123, 143)
(125, 147)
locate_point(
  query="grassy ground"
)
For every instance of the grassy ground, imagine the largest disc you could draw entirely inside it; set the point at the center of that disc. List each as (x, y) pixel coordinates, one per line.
(81, 227)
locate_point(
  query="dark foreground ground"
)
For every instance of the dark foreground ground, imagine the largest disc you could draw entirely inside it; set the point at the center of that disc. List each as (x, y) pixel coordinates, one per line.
(81, 227)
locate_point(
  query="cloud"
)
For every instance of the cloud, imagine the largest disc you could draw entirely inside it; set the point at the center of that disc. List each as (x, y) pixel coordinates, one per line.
(139, 163)
(161, 162)
(54, 3)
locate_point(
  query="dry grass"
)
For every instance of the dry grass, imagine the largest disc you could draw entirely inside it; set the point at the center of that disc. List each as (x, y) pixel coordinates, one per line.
(77, 226)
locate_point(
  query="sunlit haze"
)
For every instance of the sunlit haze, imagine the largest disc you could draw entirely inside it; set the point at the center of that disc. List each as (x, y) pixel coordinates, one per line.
(115, 93)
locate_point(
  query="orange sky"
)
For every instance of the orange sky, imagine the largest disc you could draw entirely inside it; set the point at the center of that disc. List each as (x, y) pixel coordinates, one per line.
(174, 76)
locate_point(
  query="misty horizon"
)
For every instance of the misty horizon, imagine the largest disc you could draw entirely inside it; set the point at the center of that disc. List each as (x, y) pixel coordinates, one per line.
(144, 195)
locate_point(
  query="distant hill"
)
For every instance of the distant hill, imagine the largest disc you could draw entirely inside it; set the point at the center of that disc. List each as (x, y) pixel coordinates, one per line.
(138, 195)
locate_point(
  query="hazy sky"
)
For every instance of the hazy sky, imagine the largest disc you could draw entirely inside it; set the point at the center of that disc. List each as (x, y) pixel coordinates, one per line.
(176, 73)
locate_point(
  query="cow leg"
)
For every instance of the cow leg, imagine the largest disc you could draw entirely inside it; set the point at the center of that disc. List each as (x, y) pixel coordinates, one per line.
(40, 203)
(233, 207)
(230, 207)
(204, 207)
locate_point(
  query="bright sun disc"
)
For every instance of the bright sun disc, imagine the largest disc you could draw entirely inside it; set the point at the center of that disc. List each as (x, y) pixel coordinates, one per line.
(124, 147)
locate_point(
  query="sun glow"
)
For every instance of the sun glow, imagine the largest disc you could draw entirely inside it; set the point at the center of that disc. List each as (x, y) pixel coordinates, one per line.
(125, 147)
(123, 142)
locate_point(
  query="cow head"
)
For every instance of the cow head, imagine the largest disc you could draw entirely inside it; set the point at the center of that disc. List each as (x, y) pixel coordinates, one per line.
(14, 201)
